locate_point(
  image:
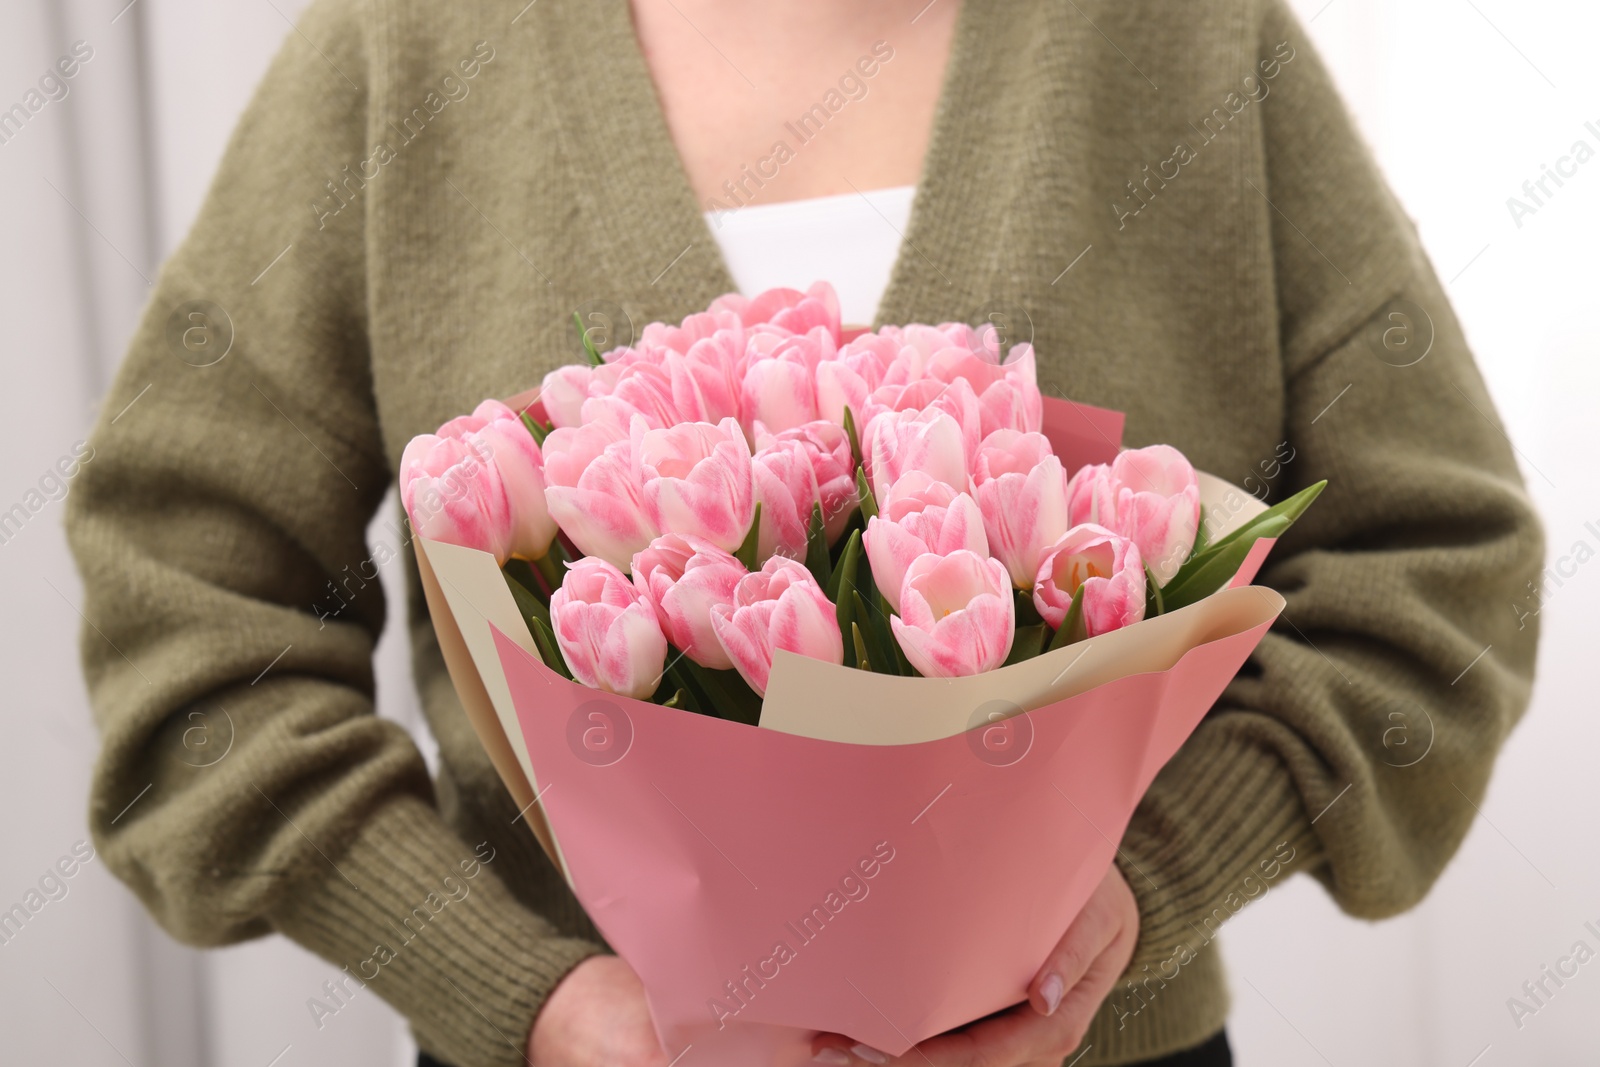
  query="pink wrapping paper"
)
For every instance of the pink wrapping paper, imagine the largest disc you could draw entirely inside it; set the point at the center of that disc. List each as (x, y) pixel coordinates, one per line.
(698, 845)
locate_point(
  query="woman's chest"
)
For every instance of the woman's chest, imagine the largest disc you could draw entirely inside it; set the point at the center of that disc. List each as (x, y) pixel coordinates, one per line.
(767, 103)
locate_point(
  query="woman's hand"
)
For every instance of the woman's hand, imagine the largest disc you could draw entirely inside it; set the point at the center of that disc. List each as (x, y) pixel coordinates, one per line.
(1062, 998)
(596, 1017)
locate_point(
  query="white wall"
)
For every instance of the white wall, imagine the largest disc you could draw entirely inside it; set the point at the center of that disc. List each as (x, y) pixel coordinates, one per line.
(1451, 95)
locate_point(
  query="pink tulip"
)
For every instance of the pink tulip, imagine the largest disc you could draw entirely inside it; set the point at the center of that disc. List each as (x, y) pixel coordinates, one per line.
(1106, 566)
(453, 494)
(786, 488)
(515, 454)
(779, 606)
(682, 579)
(896, 442)
(828, 447)
(788, 309)
(479, 482)
(642, 388)
(1149, 495)
(918, 516)
(857, 370)
(607, 633)
(696, 327)
(566, 388)
(956, 615)
(599, 500)
(1009, 452)
(928, 395)
(568, 450)
(1008, 393)
(1024, 514)
(696, 481)
(708, 379)
(779, 390)
(922, 342)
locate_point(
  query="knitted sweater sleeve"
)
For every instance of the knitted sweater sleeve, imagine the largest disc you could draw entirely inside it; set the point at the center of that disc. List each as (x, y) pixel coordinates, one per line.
(1360, 736)
(245, 784)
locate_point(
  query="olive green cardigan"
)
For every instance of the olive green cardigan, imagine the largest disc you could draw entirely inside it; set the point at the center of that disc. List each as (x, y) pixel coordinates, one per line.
(1169, 199)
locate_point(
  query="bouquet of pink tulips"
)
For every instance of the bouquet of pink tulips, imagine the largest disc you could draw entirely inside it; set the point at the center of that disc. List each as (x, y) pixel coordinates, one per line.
(748, 481)
(759, 518)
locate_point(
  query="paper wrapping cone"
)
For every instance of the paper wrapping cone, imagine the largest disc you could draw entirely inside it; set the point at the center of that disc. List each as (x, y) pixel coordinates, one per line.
(883, 857)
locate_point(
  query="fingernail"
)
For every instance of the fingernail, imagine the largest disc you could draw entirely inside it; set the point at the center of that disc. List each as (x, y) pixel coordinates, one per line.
(1051, 989)
(831, 1055)
(868, 1053)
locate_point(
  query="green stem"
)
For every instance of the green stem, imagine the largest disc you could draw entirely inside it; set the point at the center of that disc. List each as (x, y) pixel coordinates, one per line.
(549, 570)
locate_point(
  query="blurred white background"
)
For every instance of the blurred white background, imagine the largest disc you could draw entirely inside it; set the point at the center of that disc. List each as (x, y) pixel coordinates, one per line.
(1462, 101)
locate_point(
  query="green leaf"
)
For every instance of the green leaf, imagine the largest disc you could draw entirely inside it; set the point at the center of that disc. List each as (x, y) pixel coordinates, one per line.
(863, 659)
(677, 679)
(539, 430)
(529, 603)
(1027, 612)
(1028, 643)
(855, 439)
(1217, 570)
(818, 562)
(727, 694)
(588, 345)
(1072, 629)
(876, 628)
(1290, 509)
(905, 669)
(747, 551)
(844, 575)
(545, 640)
(1153, 603)
(1212, 569)
(678, 700)
(869, 503)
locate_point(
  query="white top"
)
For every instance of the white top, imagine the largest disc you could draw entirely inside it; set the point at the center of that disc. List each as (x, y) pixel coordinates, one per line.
(851, 241)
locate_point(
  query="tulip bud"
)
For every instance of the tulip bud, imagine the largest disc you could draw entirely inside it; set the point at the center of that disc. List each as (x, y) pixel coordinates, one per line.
(788, 309)
(697, 481)
(607, 633)
(929, 395)
(598, 499)
(780, 387)
(1009, 452)
(786, 488)
(452, 493)
(956, 615)
(1023, 514)
(695, 328)
(682, 579)
(896, 442)
(479, 482)
(566, 388)
(918, 516)
(1149, 495)
(1106, 566)
(828, 447)
(779, 606)
(515, 454)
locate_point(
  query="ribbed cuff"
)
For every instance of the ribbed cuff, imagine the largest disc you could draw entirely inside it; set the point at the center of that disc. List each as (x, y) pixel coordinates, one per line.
(419, 916)
(1221, 825)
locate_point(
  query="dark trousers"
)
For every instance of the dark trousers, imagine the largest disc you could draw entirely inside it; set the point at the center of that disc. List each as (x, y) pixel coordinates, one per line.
(1214, 1053)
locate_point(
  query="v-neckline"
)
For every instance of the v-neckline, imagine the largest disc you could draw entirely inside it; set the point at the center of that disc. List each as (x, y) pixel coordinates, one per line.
(680, 229)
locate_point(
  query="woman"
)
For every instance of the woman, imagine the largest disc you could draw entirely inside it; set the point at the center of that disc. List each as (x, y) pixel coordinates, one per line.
(1170, 203)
